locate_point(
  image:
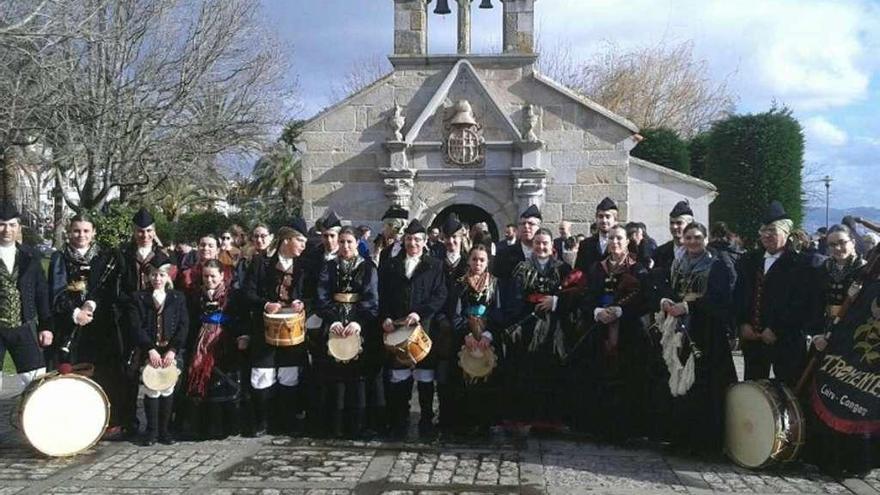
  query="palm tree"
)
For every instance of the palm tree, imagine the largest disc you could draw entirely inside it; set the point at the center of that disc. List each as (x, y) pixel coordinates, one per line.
(278, 174)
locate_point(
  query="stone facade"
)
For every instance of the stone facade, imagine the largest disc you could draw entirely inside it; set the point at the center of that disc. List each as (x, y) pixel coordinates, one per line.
(543, 144)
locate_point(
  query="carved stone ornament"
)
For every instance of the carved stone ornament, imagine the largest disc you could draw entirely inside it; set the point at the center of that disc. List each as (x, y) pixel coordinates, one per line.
(464, 145)
(398, 185)
(533, 120)
(396, 121)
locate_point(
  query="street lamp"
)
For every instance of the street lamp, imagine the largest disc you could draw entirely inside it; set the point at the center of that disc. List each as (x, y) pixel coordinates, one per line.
(827, 180)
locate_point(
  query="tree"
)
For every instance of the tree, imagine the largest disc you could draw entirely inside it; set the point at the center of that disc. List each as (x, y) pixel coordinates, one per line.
(155, 86)
(698, 148)
(653, 86)
(663, 147)
(360, 74)
(754, 159)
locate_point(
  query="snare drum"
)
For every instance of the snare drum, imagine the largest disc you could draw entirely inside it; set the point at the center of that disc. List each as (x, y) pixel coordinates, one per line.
(345, 349)
(285, 328)
(63, 415)
(408, 345)
(764, 424)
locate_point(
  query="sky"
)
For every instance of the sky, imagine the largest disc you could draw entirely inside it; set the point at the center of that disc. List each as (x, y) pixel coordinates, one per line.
(821, 58)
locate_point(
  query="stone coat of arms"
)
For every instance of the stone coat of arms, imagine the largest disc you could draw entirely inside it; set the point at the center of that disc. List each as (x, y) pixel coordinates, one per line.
(464, 146)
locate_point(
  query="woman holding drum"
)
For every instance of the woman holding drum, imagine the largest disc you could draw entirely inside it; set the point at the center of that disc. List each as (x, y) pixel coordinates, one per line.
(695, 348)
(348, 304)
(274, 286)
(160, 322)
(474, 309)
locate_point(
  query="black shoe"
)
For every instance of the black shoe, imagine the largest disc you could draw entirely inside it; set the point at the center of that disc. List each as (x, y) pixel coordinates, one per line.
(427, 430)
(167, 440)
(147, 441)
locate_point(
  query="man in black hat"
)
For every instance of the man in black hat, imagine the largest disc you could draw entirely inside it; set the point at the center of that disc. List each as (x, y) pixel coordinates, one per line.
(274, 284)
(315, 257)
(661, 267)
(771, 300)
(133, 268)
(411, 292)
(592, 249)
(505, 261)
(455, 265)
(25, 317)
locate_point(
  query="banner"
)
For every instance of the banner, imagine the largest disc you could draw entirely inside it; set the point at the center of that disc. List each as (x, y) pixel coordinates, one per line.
(846, 389)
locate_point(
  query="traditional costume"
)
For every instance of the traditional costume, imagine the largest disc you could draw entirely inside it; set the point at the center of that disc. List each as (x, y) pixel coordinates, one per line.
(411, 284)
(592, 249)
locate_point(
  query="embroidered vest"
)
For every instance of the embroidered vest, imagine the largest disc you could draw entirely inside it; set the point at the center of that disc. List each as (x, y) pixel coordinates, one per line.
(10, 298)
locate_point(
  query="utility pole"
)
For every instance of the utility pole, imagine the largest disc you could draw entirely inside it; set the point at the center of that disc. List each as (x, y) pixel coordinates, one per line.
(827, 180)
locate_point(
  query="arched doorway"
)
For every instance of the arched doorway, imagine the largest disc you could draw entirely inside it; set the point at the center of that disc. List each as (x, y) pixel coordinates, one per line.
(469, 215)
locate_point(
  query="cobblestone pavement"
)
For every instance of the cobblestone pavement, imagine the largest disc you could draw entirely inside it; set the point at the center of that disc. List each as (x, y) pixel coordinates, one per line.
(280, 466)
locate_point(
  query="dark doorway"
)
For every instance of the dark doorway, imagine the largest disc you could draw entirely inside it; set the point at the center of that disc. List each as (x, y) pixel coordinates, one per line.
(469, 215)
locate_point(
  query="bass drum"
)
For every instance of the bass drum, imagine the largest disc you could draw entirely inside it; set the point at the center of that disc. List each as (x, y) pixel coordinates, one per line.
(764, 424)
(63, 415)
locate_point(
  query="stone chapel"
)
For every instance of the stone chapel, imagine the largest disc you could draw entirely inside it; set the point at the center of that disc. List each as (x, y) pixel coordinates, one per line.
(483, 136)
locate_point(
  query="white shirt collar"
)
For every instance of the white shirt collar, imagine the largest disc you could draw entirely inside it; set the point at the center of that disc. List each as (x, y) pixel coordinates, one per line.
(143, 252)
(679, 250)
(527, 251)
(409, 265)
(159, 297)
(774, 256)
(453, 257)
(285, 262)
(7, 253)
(329, 256)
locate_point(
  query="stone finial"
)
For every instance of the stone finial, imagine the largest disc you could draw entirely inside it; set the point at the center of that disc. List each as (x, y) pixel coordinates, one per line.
(533, 120)
(396, 122)
(410, 27)
(519, 26)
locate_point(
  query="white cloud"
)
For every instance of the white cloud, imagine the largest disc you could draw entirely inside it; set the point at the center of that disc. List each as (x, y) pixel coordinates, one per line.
(809, 54)
(820, 131)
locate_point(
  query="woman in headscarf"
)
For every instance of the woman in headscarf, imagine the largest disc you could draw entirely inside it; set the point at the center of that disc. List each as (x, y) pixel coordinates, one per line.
(694, 343)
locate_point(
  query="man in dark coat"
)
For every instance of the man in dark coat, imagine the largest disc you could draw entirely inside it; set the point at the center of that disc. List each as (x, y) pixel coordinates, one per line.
(133, 267)
(506, 260)
(25, 316)
(641, 244)
(592, 249)
(559, 242)
(411, 291)
(455, 265)
(770, 298)
(679, 218)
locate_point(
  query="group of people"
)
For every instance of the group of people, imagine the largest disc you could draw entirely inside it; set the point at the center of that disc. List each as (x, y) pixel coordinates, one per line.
(606, 336)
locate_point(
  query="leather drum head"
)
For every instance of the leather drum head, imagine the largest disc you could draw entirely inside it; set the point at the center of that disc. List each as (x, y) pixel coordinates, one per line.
(750, 428)
(476, 364)
(158, 379)
(344, 348)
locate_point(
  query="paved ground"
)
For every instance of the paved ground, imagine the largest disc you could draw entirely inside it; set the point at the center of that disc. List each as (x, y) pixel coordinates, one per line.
(280, 466)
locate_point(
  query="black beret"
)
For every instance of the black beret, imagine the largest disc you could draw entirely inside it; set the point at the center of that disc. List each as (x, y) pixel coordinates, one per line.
(775, 212)
(299, 225)
(143, 218)
(395, 212)
(414, 227)
(680, 209)
(331, 221)
(452, 224)
(606, 204)
(532, 212)
(8, 211)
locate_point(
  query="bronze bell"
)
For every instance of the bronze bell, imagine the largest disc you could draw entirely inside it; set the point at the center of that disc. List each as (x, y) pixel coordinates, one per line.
(442, 7)
(487, 4)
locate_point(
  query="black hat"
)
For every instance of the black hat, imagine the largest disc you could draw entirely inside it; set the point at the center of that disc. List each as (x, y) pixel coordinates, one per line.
(395, 212)
(775, 212)
(331, 221)
(161, 262)
(451, 225)
(143, 218)
(532, 212)
(299, 225)
(680, 209)
(414, 227)
(8, 211)
(606, 204)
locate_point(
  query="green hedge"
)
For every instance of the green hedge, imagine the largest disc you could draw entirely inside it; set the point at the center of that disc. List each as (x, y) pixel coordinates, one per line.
(754, 159)
(664, 147)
